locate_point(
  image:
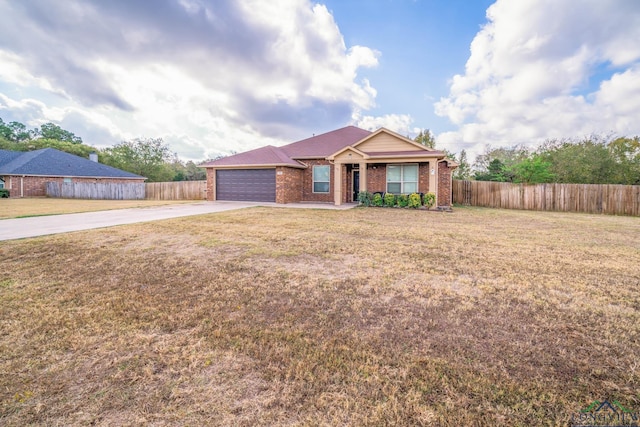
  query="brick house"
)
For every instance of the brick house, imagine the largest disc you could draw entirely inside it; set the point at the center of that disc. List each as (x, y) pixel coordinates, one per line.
(332, 168)
(25, 174)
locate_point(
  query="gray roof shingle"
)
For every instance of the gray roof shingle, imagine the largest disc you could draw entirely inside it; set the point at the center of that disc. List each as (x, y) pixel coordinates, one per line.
(52, 162)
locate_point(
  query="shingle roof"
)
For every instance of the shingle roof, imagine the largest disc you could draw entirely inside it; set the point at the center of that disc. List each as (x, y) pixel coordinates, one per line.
(316, 147)
(7, 156)
(52, 162)
(325, 144)
(263, 156)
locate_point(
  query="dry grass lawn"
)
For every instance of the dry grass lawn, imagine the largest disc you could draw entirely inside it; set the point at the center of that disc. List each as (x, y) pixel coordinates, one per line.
(36, 206)
(310, 317)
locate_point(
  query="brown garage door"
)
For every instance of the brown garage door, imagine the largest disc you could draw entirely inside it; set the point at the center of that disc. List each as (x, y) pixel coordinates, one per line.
(256, 185)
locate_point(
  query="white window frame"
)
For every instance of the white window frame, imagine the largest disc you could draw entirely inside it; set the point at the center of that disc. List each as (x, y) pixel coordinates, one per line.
(1, 183)
(402, 181)
(314, 181)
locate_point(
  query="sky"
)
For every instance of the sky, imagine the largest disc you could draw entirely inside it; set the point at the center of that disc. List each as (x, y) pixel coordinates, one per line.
(212, 77)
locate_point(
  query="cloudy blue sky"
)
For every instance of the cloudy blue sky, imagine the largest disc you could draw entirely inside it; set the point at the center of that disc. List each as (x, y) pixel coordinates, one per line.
(214, 76)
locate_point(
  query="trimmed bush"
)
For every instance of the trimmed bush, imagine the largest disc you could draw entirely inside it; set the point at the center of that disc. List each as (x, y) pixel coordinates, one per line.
(4, 193)
(414, 201)
(376, 200)
(365, 198)
(389, 200)
(402, 200)
(429, 200)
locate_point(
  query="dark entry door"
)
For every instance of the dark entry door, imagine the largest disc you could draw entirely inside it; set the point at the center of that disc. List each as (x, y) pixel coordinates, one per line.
(356, 185)
(255, 185)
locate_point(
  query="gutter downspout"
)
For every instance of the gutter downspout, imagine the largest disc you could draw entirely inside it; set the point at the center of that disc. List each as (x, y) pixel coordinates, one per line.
(22, 186)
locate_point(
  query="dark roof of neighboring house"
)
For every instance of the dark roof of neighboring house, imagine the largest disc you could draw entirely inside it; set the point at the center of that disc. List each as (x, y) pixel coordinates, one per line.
(316, 147)
(52, 162)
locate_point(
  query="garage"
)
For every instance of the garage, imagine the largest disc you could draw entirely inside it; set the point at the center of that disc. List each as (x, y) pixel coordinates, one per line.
(255, 185)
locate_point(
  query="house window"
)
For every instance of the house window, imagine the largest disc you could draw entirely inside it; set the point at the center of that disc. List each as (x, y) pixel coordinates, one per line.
(402, 179)
(321, 176)
(1, 183)
(67, 180)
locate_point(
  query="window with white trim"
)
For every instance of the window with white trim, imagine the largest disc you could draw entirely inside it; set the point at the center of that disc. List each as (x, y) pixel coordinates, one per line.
(1, 183)
(321, 178)
(402, 179)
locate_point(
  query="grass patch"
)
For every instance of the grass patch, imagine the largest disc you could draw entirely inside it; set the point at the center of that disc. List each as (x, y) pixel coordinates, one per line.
(43, 206)
(294, 317)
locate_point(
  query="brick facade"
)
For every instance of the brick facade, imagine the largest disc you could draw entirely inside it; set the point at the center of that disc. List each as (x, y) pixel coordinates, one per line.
(211, 184)
(307, 183)
(296, 185)
(444, 184)
(35, 186)
(288, 185)
(376, 178)
(423, 178)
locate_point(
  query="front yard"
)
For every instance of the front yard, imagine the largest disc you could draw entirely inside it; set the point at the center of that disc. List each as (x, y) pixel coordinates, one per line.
(293, 317)
(40, 206)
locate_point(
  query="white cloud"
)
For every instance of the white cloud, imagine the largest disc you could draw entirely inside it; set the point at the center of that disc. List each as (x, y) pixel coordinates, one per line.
(527, 77)
(208, 76)
(399, 123)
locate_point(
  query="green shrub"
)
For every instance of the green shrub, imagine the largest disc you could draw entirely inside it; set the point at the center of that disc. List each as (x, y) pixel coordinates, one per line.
(389, 200)
(377, 199)
(4, 193)
(414, 201)
(429, 200)
(365, 198)
(403, 200)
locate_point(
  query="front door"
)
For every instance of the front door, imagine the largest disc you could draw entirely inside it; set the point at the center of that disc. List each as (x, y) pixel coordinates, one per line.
(356, 185)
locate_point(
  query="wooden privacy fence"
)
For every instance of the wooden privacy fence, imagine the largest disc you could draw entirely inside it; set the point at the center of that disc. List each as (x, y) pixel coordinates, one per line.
(588, 198)
(178, 190)
(95, 190)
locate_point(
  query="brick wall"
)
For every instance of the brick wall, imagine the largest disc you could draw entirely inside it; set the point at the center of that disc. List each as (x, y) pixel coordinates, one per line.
(423, 178)
(288, 185)
(376, 178)
(35, 186)
(211, 184)
(444, 184)
(307, 183)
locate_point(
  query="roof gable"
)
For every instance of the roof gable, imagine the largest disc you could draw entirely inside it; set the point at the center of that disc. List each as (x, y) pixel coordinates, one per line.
(348, 152)
(384, 140)
(52, 162)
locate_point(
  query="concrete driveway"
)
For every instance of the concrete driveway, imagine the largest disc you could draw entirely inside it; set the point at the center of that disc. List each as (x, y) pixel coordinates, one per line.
(21, 228)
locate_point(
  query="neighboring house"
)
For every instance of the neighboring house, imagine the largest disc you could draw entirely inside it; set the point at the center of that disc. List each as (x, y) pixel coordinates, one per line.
(24, 174)
(332, 167)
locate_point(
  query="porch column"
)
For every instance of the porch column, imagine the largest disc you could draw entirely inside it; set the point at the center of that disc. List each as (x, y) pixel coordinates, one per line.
(433, 178)
(363, 176)
(337, 184)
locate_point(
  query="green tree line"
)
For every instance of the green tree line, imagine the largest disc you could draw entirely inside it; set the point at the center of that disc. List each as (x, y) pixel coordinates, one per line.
(148, 157)
(591, 160)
